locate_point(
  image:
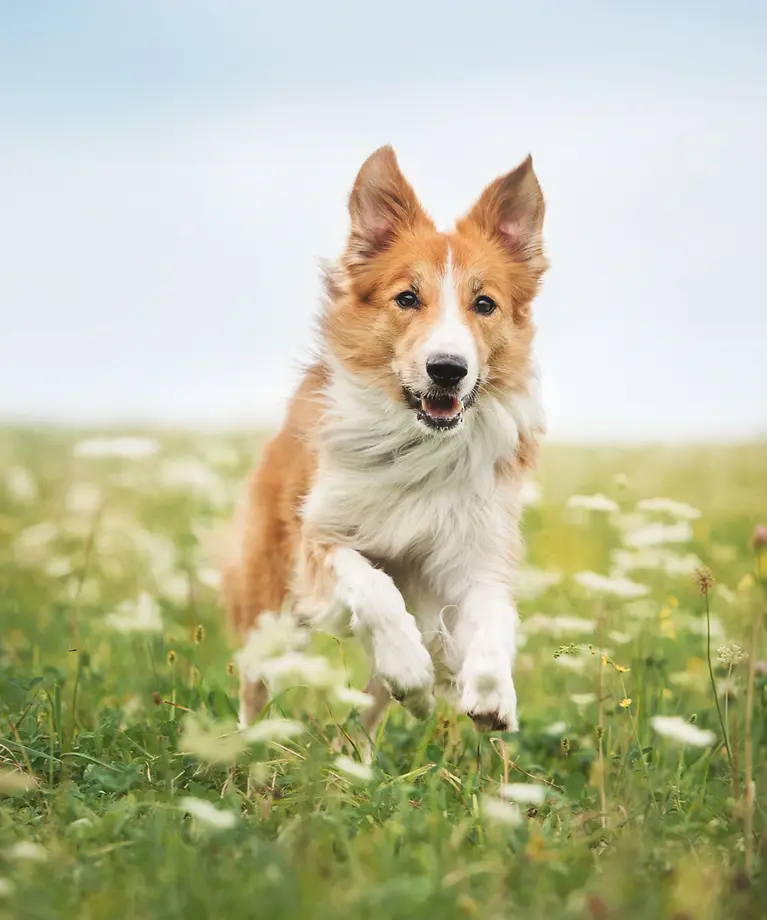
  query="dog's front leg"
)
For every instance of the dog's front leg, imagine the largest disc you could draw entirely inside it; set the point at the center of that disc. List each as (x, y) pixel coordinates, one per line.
(377, 614)
(485, 636)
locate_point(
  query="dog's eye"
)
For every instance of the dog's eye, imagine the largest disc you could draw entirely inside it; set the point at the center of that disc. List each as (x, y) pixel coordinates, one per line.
(484, 306)
(408, 300)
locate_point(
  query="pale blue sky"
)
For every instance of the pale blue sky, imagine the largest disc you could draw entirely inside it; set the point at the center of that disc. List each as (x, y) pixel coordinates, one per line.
(170, 173)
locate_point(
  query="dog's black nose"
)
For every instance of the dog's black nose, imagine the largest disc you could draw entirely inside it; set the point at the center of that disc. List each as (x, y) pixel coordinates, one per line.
(447, 370)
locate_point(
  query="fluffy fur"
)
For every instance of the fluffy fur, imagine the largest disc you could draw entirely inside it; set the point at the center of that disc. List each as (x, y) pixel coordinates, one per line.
(388, 504)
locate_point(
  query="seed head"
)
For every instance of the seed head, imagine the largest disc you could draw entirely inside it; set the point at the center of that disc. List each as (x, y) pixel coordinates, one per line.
(199, 634)
(565, 743)
(600, 732)
(704, 579)
(171, 658)
(731, 654)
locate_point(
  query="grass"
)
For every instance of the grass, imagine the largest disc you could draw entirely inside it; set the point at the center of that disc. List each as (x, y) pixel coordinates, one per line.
(115, 714)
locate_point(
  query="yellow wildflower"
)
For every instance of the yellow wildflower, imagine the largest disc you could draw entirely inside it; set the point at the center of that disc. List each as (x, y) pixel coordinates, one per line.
(624, 704)
(746, 583)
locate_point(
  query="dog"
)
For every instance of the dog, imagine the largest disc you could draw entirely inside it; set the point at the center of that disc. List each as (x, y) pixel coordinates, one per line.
(388, 504)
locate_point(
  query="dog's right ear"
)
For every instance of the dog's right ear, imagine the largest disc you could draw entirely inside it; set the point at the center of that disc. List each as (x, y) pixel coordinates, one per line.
(381, 205)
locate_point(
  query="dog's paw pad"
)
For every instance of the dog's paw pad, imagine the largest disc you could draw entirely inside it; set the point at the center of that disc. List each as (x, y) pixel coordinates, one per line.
(493, 722)
(419, 702)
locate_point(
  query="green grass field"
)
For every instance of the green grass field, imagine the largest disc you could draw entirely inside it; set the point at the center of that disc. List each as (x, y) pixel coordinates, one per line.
(125, 791)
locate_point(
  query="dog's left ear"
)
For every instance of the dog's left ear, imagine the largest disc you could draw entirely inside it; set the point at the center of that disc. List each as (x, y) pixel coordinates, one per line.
(511, 209)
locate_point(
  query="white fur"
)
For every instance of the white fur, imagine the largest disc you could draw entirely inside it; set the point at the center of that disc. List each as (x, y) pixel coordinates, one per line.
(429, 507)
(451, 334)
(388, 632)
(486, 639)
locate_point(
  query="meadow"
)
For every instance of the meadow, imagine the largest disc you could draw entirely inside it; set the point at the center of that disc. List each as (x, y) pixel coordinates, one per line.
(635, 788)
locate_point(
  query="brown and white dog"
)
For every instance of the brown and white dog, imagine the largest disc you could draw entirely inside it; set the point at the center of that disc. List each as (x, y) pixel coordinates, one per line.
(388, 504)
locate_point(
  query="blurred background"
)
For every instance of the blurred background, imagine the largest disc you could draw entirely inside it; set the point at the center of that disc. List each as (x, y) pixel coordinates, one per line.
(170, 173)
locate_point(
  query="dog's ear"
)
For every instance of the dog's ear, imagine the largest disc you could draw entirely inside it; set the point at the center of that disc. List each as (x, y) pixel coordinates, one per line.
(381, 205)
(511, 210)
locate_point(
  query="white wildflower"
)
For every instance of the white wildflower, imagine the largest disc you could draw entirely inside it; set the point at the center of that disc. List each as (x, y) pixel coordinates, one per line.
(207, 813)
(157, 550)
(127, 448)
(529, 494)
(297, 669)
(628, 521)
(727, 688)
(596, 502)
(618, 587)
(20, 485)
(674, 509)
(556, 728)
(87, 592)
(540, 623)
(659, 558)
(531, 582)
(682, 566)
(273, 730)
(657, 534)
(641, 610)
(139, 616)
(218, 454)
(353, 769)
(211, 578)
(688, 679)
(583, 699)
(524, 793)
(676, 728)
(32, 545)
(271, 637)
(697, 625)
(500, 812)
(731, 655)
(211, 742)
(350, 696)
(175, 587)
(620, 638)
(189, 474)
(58, 567)
(84, 498)
(27, 851)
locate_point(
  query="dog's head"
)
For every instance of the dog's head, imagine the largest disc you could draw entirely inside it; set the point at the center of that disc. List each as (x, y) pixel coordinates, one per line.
(437, 320)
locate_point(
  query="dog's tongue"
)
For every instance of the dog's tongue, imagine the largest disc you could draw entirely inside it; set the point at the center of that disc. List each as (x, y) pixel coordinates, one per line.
(441, 406)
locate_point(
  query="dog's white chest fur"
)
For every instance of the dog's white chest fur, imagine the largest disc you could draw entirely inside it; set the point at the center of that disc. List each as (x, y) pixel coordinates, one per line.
(397, 495)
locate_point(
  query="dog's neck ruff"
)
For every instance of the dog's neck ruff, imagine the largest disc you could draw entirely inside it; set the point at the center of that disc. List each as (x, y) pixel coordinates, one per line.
(364, 429)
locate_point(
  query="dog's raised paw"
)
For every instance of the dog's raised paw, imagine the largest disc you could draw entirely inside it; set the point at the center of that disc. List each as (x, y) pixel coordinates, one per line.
(490, 722)
(406, 666)
(419, 702)
(490, 700)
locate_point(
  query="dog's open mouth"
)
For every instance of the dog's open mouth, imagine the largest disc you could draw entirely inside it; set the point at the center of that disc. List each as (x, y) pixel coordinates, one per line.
(439, 410)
